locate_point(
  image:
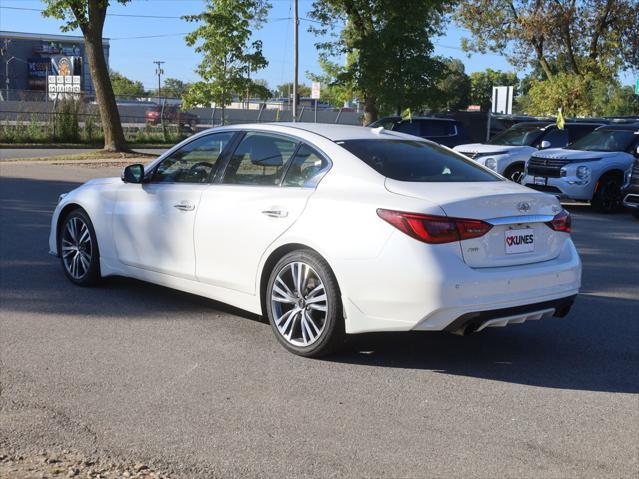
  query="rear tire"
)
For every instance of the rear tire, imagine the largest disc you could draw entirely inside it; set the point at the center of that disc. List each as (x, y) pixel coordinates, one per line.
(304, 306)
(607, 198)
(78, 249)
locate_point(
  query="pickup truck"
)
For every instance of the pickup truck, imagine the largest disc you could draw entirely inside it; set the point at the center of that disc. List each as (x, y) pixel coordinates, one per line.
(507, 152)
(594, 168)
(171, 114)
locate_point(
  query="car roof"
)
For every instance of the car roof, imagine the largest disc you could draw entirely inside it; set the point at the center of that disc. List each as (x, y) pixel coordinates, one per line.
(621, 126)
(334, 132)
(414, 117)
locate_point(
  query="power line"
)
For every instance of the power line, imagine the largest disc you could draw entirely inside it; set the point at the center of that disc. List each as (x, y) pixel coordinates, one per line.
(131, 15)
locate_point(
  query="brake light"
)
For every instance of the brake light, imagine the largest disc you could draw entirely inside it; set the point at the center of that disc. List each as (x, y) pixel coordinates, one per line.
(435, 229)
(561, 222)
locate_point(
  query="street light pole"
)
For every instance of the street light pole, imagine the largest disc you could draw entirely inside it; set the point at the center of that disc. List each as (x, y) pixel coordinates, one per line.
(159, 72)
(295, 59)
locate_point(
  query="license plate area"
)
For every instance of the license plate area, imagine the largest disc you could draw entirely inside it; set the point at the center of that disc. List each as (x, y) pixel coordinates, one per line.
(520, 240)
(540, 180)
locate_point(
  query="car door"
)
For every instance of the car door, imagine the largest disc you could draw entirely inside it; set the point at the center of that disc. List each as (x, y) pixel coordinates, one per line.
(264, 189)
(153, 222)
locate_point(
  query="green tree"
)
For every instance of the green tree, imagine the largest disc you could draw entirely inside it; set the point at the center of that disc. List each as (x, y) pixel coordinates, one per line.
(223, 39)
(453, 88)
(174, 87)
(123, 86)
(580, 95)
(332, 92)
(89, 16)
(482, 83)
(286, 89)
(388, 49)
(579, 36)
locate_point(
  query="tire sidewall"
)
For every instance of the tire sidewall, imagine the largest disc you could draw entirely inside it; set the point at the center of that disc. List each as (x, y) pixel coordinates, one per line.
(93, 275)
(604, 187)
(334, 326)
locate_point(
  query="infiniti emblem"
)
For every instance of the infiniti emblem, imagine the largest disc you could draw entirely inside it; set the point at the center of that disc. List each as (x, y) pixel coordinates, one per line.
(523, 206)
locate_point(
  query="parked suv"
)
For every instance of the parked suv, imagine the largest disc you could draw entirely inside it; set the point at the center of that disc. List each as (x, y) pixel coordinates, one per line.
(171, 114)
(507, 152)
(445, 131)
(590, 169)
(631, 198)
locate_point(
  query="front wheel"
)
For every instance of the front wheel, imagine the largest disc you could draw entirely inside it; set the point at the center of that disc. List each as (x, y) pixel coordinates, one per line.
(304, 306)
(515, 172)
(607, 198)
(78, 248)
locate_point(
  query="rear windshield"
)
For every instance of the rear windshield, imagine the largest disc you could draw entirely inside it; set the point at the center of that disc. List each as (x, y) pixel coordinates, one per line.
(606, 140)
(518, 135)
(407, 160)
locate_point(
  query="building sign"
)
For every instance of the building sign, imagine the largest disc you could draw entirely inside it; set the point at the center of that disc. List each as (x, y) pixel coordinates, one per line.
(38, 69)
(63, 86)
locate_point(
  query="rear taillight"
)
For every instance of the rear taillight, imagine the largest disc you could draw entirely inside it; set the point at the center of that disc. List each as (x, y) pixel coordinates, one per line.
(561, 222)
(435, 229)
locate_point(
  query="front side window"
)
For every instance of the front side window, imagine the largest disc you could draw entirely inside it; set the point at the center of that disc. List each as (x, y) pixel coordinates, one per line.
(607, 140)
(259, 159)
(307, 168)
(194, 162)
(417, 161)
(557, 138)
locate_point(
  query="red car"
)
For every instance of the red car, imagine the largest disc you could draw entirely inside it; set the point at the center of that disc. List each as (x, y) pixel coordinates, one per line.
(171, 114)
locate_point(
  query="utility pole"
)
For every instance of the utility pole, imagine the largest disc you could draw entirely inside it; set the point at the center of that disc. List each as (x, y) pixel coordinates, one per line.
(296, 22)
(159, 72)
(4, 52)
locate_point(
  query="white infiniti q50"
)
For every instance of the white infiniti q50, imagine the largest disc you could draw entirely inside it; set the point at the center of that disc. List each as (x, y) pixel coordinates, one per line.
(328, 230)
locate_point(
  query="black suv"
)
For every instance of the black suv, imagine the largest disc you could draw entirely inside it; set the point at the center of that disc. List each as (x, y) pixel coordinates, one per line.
(445, 131)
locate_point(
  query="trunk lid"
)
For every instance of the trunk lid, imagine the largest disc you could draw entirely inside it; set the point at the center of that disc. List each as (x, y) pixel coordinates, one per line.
(516, 212)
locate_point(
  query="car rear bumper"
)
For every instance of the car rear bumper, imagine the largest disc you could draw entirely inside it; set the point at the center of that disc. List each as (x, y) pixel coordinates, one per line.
(414, 287)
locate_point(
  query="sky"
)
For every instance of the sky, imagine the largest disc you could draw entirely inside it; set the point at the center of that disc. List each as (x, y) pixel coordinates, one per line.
(133, 56)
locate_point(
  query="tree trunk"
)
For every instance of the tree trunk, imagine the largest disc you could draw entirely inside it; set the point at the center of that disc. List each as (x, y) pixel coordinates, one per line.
(370, 110)
(113, 133)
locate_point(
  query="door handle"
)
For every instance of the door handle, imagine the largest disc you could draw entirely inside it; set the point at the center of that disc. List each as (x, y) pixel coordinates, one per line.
(184, 206)
(275, 213)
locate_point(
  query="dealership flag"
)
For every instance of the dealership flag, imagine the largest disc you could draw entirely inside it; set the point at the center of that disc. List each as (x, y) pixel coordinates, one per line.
(560, 119)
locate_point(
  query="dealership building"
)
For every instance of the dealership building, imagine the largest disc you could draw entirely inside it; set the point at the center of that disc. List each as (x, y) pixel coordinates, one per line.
(34, 61)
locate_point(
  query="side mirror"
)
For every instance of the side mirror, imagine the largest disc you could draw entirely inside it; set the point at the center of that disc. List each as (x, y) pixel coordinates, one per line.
(544, 144)
(133, 174)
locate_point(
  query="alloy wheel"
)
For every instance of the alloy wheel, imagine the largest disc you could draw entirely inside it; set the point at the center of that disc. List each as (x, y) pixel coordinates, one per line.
(299, 304)
(77, 248)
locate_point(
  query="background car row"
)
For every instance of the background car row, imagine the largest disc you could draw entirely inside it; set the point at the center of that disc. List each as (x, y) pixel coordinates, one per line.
(584, 161)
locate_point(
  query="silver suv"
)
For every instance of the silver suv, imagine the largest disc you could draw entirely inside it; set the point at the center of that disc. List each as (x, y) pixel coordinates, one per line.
(595, 168)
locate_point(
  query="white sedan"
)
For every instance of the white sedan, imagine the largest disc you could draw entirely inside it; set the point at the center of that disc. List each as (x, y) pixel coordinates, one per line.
(328, 230)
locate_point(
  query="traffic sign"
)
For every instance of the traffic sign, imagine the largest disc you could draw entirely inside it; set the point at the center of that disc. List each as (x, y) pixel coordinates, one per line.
(637, 87)
(315, 90)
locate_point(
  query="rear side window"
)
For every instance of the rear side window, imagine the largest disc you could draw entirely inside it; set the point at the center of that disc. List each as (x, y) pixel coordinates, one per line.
(408, 127)
(259, 159)
(438, 128)
(307, 168)
(416, 161)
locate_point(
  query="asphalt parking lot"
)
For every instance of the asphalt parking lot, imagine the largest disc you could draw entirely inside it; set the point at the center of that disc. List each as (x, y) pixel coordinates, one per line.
(138, 372)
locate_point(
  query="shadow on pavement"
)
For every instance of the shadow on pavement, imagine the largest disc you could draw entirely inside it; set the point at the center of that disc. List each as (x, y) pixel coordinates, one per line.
(594, 348)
